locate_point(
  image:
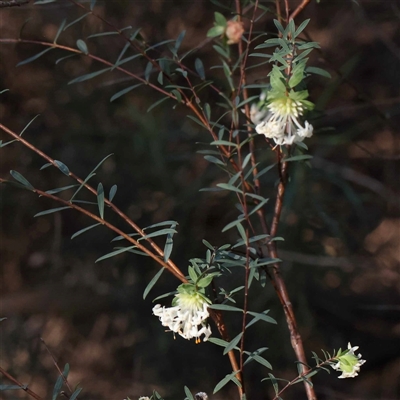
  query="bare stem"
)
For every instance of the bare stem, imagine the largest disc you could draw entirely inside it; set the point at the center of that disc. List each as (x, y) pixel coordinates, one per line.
(299, 9)
(56, 365)
(23, 387)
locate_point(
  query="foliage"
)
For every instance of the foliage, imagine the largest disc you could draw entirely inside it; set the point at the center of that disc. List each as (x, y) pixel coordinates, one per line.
(206, 290)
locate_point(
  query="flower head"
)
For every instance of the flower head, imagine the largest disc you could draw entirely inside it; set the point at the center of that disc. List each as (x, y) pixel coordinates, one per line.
(348, 363)
(234, 31)
(281, 123)
(188, 314)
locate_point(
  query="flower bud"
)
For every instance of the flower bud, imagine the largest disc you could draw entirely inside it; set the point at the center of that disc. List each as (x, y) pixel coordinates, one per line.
(234, 31)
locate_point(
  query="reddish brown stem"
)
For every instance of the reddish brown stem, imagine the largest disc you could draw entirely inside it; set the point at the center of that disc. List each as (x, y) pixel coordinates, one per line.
(279, 283)
(56, 365)
(23, 387)
(299, 9)
(171, 266)
(215, 315)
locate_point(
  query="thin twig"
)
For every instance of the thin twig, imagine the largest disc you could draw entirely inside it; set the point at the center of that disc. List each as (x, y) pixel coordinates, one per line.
(23, 387)
(299, 9)
(56, 365)
(286, 10)
(170, 265)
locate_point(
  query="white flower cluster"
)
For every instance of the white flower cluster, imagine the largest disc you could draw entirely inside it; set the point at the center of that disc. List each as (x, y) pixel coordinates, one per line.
(281, 122)
(349, 364)
(187, 317)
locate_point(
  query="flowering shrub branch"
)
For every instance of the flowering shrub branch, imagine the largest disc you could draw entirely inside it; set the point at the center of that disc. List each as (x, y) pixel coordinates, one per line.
(277, 113)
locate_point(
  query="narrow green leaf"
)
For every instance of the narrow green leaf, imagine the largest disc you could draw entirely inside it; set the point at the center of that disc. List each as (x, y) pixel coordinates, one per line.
(66, 371)
(60, 29)
(228, 75)
(258, 206)
(214, 160)
(74, 22)
(51, 211)
(62, 167)
(246, 161)
(75, 394)
(124, 91)
(218, 341)
(115, 253)
(125, 48)
(298, 158)
(301, 27)
(215, 31)
(100, 199)
(160, 78)
(197, 121)
(19, 178)
(224, 381)
(46, 166)
(33, 58)
(61, 189)
(91, 75)
(260, 317)
(192, 274)
(204, 282)
(152, 283)
(262, 55)
(108, 33)
(213, 189)
(64, 58)
(232, 344)
(159, 233)
(179, 40)
(7, 143)
(163, 223)
(319, 71)
(198, 65)
(112, 193)
(168, 246)
(147, 71)
(57, 387)
(223, 143)
(207, 110)
(157, 103)
(220, 19)
(225, 307)
(28, 124)
(309, 45)
(164, 295)
(122, 237)
(189, 395)
(232, 224)
(274, 383)
(281, 29)
(265, 170)
(177, 95)
(90, 176)
(297, 76)
(9, 387)
(231, 188)
(84, 230)
(82, 46)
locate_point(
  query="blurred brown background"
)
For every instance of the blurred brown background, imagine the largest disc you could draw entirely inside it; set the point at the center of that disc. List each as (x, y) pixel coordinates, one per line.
(340, 222)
